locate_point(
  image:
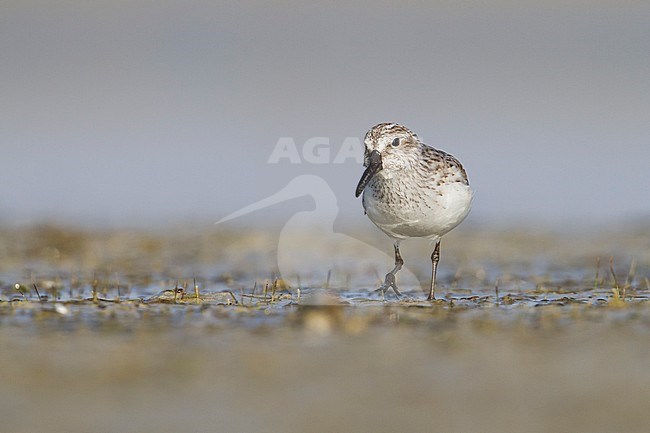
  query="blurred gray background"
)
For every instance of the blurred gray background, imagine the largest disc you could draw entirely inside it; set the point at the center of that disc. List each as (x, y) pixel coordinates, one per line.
(141, 113)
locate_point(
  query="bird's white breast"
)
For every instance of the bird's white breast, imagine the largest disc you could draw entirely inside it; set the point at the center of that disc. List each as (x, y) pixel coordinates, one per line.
(403, 207)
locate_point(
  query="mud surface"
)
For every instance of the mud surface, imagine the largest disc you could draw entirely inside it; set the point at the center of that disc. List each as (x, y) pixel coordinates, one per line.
(194, 331)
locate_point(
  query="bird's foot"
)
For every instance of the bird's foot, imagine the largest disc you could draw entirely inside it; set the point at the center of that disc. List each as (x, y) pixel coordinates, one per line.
(389, 283)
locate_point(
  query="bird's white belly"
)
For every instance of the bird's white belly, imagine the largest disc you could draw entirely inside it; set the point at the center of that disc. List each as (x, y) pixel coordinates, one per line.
(429, 215)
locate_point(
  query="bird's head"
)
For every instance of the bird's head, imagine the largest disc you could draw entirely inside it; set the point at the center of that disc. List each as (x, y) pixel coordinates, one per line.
(389, 148)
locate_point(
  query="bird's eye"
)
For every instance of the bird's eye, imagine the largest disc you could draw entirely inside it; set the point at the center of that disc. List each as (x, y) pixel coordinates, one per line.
(395, 142)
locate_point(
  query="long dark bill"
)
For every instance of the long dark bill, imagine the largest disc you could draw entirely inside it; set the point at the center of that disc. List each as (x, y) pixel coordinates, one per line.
(373, 167)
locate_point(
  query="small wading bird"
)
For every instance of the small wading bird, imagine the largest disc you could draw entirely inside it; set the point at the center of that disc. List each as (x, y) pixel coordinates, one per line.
(411, 190)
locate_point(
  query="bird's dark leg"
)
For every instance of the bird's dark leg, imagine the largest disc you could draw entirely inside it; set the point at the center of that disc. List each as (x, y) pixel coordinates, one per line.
(435, 258)
(389, 282)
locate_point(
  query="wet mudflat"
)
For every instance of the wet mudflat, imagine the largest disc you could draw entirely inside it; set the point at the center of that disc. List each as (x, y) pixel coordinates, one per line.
(133, 331)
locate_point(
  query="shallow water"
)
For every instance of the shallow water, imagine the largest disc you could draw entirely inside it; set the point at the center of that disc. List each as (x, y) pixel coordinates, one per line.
(530, 333)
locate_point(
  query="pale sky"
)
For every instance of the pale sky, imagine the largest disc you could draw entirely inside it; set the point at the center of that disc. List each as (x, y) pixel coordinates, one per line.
(139, 112)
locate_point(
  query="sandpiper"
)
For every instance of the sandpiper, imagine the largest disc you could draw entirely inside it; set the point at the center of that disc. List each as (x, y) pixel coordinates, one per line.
(411, 190)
